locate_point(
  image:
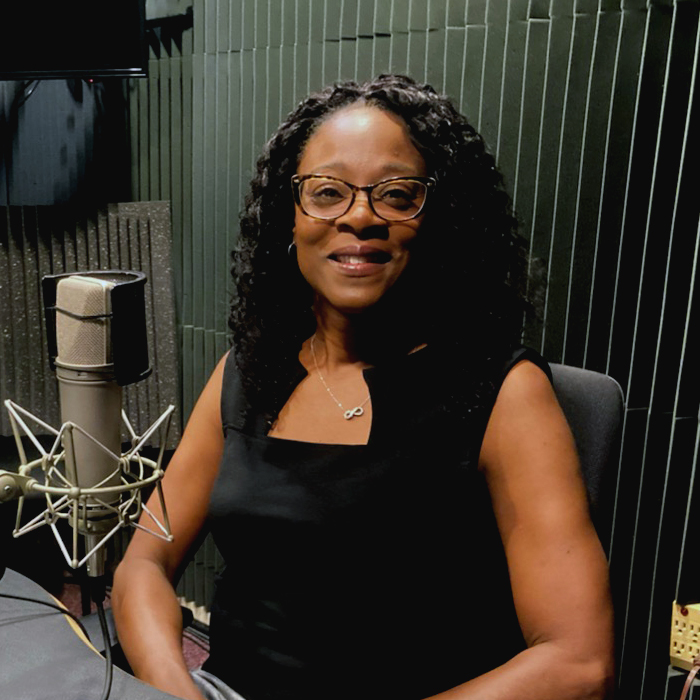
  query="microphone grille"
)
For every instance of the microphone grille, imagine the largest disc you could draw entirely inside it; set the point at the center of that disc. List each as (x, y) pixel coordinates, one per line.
(83, 342)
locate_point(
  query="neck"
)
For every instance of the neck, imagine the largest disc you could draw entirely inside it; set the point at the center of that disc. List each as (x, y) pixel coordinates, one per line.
(367, 338)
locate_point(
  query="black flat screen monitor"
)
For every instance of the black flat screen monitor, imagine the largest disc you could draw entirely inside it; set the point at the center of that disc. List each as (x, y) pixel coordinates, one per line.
(72, 39)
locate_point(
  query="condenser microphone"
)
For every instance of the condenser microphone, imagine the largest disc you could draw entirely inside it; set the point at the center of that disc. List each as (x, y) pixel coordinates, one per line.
(97, 343)
(90, 398)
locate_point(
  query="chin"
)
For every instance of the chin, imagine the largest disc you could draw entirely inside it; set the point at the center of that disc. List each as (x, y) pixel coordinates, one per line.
(353, 307)
(365, 296)
(368, 301)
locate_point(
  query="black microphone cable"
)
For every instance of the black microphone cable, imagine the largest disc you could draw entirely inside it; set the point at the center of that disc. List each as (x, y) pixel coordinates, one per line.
(97, 593)
(48, 604)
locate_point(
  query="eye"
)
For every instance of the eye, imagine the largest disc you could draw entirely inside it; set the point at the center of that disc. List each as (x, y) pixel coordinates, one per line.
(399, 194)
(324, 192)
(328, 192)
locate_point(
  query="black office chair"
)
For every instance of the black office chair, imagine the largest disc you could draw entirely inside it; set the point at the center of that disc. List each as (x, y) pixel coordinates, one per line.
(594, 404)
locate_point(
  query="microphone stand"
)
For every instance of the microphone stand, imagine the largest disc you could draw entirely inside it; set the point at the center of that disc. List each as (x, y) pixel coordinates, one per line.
(69, 501)
(119, 502)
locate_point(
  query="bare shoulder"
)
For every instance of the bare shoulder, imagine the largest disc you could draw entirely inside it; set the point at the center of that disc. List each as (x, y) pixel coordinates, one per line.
(526, 416)
(530, 461)
(526, 382)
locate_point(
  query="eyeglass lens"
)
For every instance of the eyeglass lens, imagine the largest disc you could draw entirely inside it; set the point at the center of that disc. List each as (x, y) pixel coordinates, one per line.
(394, 200)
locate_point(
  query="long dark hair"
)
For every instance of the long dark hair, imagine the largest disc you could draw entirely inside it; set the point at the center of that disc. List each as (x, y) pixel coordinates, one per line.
(470, 279)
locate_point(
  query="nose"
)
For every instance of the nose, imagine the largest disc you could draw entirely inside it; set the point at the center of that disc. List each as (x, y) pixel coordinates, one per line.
(361, 219)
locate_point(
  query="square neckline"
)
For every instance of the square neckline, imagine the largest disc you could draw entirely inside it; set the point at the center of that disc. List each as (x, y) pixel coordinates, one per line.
(368, 374)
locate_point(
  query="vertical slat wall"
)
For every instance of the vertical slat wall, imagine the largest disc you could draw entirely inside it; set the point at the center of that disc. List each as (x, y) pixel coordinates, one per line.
(591, 107)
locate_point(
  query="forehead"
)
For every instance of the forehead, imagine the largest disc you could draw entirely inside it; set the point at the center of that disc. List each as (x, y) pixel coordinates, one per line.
(361, 141)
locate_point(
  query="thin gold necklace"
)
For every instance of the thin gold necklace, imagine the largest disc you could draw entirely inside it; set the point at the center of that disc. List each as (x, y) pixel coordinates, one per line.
(349, 413)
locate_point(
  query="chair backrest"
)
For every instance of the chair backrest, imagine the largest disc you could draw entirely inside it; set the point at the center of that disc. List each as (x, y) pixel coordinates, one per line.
(594, 404)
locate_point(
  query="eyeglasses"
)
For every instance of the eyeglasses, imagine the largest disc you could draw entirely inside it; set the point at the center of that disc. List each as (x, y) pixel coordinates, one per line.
(395, 199)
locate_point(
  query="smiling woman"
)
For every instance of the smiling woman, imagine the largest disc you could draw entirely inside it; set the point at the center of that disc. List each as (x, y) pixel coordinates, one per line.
(353, 255)
(384, 468)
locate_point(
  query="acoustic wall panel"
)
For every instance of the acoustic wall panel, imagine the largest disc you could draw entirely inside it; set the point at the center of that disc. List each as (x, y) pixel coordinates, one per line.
(383, 12)
(553, 111)
(496, 22)
(591, 109)
(565, 177)
(473, 72)
(589, 253)
(366, 18)
(529, 138)
(454, 45)
(435, 65)
(509, 117)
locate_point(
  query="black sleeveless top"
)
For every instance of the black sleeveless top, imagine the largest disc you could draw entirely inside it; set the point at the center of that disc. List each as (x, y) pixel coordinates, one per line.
(361, 571)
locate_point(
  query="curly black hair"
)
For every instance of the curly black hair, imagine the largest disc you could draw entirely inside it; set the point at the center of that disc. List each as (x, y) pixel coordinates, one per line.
(470, 280)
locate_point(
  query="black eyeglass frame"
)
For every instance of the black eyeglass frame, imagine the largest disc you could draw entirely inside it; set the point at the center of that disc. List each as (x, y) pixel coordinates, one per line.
(429, 182)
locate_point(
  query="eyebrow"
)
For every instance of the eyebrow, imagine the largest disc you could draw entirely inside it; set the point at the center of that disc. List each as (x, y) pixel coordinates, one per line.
(388, 170)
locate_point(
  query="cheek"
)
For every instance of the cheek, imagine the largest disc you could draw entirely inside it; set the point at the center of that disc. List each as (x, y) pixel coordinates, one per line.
(406, 240)
(308, 258)
(303, 262)
(307, 232)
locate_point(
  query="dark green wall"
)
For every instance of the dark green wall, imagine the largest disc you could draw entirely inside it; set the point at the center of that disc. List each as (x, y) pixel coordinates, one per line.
(589, 106)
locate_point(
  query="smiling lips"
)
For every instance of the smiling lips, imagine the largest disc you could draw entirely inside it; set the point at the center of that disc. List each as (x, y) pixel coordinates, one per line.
(360, 260)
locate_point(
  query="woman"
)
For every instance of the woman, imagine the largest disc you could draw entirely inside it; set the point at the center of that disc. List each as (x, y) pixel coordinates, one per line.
(395, 490)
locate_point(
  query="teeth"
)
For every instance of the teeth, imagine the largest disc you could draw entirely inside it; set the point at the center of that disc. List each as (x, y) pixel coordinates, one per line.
(358, 259)
(353, 259)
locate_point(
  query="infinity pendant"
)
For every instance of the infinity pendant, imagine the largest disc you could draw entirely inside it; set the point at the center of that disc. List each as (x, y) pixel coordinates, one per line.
(351, 413)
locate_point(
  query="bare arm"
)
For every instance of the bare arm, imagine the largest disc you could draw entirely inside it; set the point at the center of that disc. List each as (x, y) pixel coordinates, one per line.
(557, 567)
(146, 610)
